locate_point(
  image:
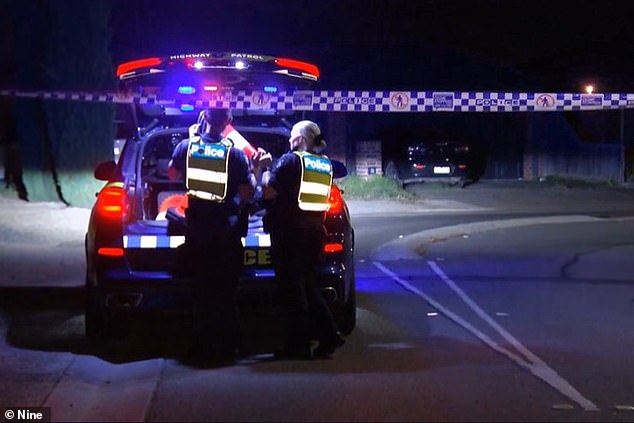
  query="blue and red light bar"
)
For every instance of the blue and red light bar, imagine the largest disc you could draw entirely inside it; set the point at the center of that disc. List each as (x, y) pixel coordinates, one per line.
(222, 61)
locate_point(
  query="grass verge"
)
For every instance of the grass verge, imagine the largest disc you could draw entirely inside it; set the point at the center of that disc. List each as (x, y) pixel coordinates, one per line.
(372, 188)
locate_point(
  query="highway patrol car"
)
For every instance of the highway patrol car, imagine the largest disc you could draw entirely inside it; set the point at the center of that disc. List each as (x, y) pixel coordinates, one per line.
(133, 253)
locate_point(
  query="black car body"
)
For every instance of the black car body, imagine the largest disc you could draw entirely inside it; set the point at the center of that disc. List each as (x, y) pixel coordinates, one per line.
(427, 161)
(134, 256)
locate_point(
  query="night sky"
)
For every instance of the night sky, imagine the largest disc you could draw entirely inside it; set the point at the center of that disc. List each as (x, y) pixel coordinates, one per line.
(467, 45)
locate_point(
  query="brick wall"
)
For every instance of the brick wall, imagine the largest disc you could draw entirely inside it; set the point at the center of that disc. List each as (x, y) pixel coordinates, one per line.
(368, 158)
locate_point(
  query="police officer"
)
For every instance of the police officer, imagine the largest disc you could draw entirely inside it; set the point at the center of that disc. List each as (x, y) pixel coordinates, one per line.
(296, 197)
(220, 185)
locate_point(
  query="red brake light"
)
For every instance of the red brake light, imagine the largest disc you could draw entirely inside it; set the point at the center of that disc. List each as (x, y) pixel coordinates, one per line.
(297, 65)
(110, 251)
(112, 202)
(335, 201)
(137, 64)
(462, 166)
(333, 248)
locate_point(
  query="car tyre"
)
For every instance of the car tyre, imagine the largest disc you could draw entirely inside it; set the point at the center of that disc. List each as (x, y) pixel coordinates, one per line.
(391, 172)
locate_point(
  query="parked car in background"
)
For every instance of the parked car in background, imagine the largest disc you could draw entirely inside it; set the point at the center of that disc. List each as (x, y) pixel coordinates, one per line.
(431, 161)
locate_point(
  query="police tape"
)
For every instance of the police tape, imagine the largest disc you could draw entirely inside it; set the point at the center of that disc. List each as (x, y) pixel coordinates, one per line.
(359, 101)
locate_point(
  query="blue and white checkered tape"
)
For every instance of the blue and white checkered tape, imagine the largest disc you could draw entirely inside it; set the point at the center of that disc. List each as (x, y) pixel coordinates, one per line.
(364, 101)
(256, 240)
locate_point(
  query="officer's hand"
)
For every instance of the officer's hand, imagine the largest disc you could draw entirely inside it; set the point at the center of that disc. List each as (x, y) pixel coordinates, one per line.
(261, 159)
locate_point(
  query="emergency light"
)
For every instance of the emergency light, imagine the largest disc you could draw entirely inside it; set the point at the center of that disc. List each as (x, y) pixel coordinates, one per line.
(308, 68)
(137, 64)
(186, 89)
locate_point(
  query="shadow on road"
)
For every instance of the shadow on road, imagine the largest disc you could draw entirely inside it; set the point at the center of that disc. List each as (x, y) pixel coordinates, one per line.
(52, 319)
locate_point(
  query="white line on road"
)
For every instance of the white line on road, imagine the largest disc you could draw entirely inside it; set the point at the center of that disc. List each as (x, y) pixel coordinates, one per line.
(534, 364)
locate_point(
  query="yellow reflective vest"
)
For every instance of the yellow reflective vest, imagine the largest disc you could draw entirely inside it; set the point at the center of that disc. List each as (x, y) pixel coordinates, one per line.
(314, 189)
(207, 169)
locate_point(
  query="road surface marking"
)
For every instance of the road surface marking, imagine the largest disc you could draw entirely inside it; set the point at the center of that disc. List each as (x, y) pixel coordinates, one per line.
(530, 361)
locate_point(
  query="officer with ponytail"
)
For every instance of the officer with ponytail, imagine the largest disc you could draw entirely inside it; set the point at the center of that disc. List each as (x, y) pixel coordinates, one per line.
(296, 193)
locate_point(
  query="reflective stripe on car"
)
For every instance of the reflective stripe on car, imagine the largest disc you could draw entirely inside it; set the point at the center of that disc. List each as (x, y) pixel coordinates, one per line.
(174, 241)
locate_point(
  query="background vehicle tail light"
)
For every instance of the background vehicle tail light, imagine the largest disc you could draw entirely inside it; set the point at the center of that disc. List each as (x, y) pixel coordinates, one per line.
(462, 166)
(112, 202)
(335, 201)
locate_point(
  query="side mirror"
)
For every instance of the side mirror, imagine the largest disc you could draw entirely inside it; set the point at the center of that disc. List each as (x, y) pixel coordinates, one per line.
(105, 170)
(338, 169)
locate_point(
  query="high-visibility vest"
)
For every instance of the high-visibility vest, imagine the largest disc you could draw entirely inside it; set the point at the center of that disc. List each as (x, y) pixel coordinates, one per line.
(314, 189)
(207, 169)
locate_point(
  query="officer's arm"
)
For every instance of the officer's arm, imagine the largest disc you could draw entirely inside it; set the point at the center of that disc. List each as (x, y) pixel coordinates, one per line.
(178, 155)
(246, 191)
(271, 178)
(172, 172)
(268, 192)
(246, 188)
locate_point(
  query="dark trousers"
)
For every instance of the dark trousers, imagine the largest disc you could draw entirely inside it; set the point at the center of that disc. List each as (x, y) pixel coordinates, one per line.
(296, 250)
(215, 254)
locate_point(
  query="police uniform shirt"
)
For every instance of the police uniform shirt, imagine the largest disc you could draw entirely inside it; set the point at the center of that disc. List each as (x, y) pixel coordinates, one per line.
(239, 169)
(286, 176)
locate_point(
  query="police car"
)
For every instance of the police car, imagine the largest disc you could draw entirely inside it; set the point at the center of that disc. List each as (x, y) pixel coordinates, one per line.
(134, 251)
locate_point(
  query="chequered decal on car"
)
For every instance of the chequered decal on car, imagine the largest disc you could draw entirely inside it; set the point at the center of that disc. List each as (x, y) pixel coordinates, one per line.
(256, 240)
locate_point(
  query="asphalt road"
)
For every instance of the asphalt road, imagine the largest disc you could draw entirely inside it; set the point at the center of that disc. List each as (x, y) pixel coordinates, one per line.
(491, 303)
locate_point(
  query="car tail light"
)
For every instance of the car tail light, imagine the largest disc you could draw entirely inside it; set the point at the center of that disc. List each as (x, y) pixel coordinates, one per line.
(112, 202)
(297, 65)
(333, 247)
(419, 166)
(110, 251)
(335, 201)
(137, 64)
(462, 166)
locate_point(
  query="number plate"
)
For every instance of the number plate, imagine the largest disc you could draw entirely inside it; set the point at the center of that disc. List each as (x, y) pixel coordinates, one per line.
(442, 170)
